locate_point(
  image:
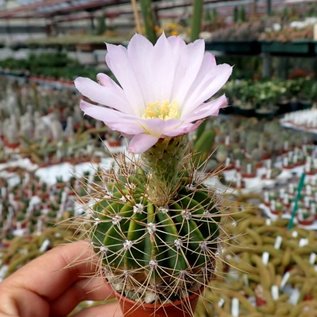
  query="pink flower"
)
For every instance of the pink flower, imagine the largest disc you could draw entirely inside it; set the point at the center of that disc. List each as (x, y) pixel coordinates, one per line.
(163, 90)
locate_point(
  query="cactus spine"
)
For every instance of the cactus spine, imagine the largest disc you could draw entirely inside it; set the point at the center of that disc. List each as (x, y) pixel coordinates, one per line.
(155, 226)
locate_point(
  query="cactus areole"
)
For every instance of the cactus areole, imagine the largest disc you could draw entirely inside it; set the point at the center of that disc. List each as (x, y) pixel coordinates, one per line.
(153, 223)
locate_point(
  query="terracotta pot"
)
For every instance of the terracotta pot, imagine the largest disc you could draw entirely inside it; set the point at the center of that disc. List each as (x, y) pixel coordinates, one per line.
(178, 308)
(10, 145)
(308, 297)
(312, 172)
(114, 143)
(306, 221)
(229, 167)
(276, 212)
(246, 175)
(289, 167)
(260, 301)
(259, 164)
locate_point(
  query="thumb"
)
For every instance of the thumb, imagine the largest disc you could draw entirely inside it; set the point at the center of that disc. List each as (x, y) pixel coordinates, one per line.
(111, 310)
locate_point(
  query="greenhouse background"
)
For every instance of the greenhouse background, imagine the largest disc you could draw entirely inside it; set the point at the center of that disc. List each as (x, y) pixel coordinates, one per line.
(259, 152)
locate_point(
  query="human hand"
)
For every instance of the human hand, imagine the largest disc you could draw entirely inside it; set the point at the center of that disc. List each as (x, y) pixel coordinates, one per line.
(53, 284)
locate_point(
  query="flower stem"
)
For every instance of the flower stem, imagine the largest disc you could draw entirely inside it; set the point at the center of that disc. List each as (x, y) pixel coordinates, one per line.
(163, 163)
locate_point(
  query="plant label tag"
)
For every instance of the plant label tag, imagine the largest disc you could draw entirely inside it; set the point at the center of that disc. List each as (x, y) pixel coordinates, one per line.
(303, 242)
(294, 296)
(46, 243)
(294, 234)
(312, 258)
(246, 280)
(221, 302)
(235, 307)
(266, 197)
(285, 279)
(265, 257)
(3, 272)
(278, 242)
(275, 292)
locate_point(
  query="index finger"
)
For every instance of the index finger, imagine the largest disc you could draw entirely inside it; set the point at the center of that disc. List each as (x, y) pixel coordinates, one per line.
(54, 272)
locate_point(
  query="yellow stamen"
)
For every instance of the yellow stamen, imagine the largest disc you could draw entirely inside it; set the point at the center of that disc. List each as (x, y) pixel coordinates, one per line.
(162, 110)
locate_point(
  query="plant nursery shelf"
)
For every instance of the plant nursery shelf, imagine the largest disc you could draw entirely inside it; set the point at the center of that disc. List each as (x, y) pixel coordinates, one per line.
(43, 81)
(296, 48)
(235, 47)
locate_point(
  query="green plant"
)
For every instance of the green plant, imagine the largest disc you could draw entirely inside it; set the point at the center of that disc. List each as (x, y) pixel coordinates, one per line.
(196, 19)
(153, 222)
(101, 25)
(156, 226)
(57, 65)
(203, 143)
(148, 19)
(211, 16)
(239, 14)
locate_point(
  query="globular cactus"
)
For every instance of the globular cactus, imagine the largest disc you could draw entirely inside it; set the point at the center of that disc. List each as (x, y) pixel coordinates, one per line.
(156, 226)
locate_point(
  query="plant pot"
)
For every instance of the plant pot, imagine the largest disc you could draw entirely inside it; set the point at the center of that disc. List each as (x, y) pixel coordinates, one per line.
(180, 308)
(10, 145)
(312, 172)
(276, 212)
(306, 221)
(230, 167)
(260, 301)
(248, 175)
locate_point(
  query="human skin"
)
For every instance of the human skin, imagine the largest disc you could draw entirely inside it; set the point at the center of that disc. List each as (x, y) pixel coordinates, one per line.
(53, 284)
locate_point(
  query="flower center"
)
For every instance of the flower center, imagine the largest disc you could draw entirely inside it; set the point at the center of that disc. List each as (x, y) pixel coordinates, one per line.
(161, 110)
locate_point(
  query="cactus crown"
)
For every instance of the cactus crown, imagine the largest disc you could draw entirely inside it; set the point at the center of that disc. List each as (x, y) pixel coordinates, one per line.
(155, 225)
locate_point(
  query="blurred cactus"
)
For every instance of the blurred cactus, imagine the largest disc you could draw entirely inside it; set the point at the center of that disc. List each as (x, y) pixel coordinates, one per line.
(204, 142)
(148, 19)
(197, 19)
(101, 25)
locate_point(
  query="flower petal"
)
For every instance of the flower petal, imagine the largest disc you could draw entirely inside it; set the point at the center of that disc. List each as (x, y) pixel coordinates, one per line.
(118, 62)
(157, 127)
(207, 66)
(207, 87)
(109, 96)
(207, 109)
(116, 120)
(183, 128)
(189, 63)
(141, 143)
(106, 81)
(176, 42)
(163, 65)
(162, 128)
(140, 51)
